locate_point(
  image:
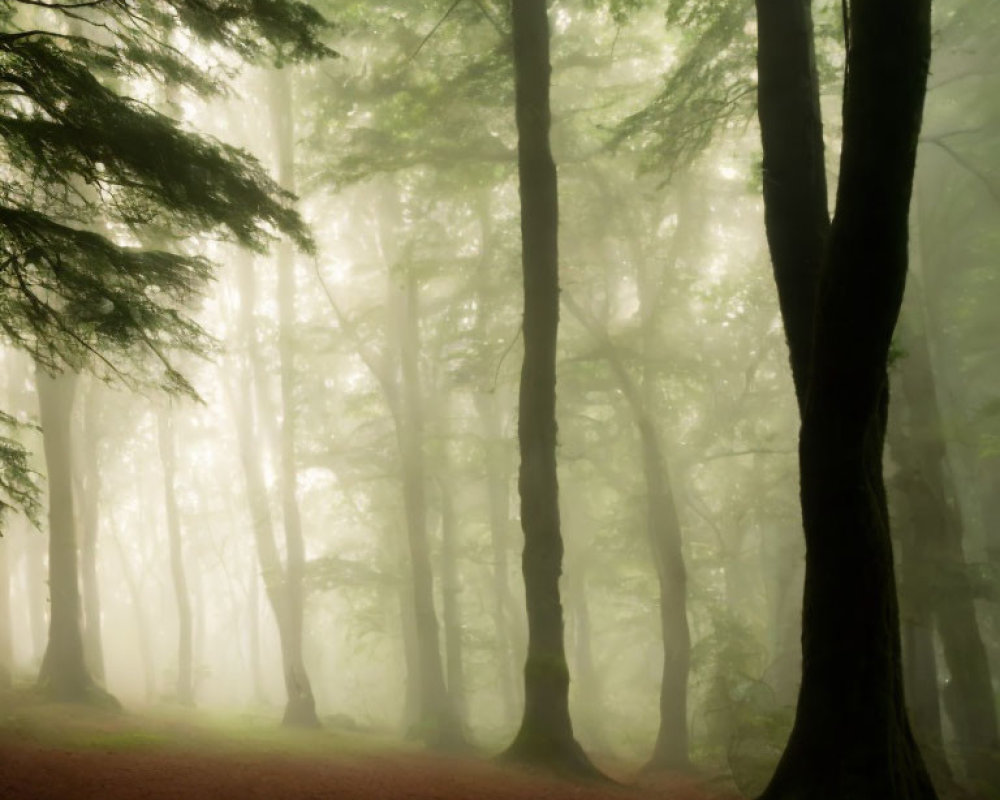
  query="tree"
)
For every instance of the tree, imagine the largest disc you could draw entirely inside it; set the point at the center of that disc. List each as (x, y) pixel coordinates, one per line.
(546, 732)
(840, 296)
(182, 597)
(301, 708)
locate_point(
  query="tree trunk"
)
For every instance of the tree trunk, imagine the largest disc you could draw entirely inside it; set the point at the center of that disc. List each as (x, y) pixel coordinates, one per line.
(301, 708)
(64, 675)
(796, 217)
(272, 570)
(141, 628)
(6, 643)
(451, 612)
(185, 672)
(437, 721)
(546, 732)
(89, 482)
(671, 748)
(664, 533)
(937, 527)
(923, 696)
(498, 489)
(852, 737)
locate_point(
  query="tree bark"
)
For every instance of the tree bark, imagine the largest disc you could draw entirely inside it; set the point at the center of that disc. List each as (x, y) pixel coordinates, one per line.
(546, 732)
(852, 736)
(185, 672)
(796, 217)
(301, 708)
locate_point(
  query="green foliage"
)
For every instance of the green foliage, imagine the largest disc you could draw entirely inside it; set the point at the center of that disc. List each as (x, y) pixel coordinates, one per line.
(90, 172)
(18, 491)
(710, 88)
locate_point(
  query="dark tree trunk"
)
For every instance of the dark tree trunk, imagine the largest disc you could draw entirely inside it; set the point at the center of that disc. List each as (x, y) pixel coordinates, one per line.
(796, 217)
(301, 708)
(185, 672)
(546, 732)
(438, 723)
(64, 675)
(89, 483)
(852, 737)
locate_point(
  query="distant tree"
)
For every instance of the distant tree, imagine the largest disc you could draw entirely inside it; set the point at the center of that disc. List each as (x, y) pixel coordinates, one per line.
(840, 290)
(182, 597)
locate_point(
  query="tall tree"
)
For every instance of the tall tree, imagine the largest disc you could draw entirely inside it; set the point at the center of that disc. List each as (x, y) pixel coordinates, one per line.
(64, 675)
(182, 597)
(299, 704)
(840, 295)
(301, 708)
(88, 487)
(546, 731)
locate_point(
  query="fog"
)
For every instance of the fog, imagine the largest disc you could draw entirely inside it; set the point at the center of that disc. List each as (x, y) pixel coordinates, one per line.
(340, 452)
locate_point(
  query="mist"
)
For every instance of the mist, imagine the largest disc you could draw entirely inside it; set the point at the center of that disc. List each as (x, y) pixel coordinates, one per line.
(325, 340)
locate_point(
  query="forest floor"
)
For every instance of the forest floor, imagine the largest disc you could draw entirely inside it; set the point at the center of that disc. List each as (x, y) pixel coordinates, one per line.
(65, 753)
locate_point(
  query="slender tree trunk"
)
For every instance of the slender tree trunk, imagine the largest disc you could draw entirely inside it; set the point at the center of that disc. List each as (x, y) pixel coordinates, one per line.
(6, 642)
(185, 672)
(937, 527)
(438, 723)
(141, 626)
(253, 601)
(546, 732)
(35, 588)
(89, 475)
(592, 717)
(923, 697)
(272, 570)
(852, 736)
(498, 489)
(451, 613)
(64, 675)
(664, 532)
(301, 708)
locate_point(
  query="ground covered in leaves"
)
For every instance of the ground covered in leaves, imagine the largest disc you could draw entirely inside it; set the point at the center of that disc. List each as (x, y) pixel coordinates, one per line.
(63, 753)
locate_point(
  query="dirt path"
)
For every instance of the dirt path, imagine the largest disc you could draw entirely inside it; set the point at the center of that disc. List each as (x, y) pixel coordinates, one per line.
(36, 772)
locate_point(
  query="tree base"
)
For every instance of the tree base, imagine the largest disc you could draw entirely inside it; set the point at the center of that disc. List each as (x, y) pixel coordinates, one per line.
(88, 694)
(665, 762)
(563, 756)
(301, 715)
